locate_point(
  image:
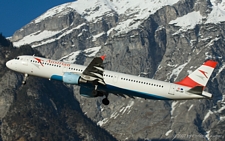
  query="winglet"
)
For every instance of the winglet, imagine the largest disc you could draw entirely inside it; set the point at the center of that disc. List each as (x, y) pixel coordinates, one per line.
(103, 57)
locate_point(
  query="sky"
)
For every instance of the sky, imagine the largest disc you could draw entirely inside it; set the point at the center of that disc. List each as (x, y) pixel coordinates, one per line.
(14, 14)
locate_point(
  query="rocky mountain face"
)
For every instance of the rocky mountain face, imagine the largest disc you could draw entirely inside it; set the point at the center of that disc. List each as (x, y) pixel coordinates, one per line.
(41, 109)
(164, 40)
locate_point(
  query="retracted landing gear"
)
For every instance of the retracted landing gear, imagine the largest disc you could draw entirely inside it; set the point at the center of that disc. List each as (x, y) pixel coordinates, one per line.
(24, 79)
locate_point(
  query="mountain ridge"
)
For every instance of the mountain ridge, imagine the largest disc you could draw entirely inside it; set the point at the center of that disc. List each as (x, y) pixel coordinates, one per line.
(162, 46)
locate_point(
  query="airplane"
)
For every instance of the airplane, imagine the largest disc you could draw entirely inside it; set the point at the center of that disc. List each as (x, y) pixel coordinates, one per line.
(95, 81)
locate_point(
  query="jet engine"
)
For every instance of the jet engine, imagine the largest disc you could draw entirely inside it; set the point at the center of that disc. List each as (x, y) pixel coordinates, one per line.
(88, 91)
(71, 78)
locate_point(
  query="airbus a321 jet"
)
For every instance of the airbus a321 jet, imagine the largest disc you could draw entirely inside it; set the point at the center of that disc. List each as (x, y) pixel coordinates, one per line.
(94, 81)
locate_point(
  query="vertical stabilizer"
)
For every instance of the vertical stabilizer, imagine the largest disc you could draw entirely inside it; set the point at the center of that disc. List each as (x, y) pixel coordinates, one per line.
(200, 76)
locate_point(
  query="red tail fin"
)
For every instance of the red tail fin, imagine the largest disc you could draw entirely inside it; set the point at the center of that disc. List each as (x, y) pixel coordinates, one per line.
(200, 76)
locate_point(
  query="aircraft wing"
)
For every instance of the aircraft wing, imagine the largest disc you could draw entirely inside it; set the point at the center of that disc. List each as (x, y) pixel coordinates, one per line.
(123, 95)
(94, 71)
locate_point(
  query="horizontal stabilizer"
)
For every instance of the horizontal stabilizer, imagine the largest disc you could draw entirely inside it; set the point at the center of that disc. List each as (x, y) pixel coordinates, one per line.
(196, 90)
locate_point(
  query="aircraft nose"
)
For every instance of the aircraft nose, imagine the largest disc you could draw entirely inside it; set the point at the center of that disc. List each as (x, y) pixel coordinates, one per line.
(9, 64)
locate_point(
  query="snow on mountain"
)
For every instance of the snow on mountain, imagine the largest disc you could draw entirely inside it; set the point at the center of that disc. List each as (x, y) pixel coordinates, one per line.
(91, 9)
(45, 37)
(188, 21)
(207, 115)
(71, 58)
(136, 12)
(177, 70)
(104, 121)
(35, 37)
(173, 106)
(91, 52)
(168, 132)
(61, 9)
(217, 15)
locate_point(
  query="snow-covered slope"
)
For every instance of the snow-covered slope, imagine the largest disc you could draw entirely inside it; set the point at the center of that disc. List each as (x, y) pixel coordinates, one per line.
(135, 11)
(93, 10)
(189, 21)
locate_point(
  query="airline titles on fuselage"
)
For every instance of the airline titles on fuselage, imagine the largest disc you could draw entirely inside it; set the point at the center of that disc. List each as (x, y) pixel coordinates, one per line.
(51, 62)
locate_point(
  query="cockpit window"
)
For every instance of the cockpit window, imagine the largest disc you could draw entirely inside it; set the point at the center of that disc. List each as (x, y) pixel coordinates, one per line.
(17, 58)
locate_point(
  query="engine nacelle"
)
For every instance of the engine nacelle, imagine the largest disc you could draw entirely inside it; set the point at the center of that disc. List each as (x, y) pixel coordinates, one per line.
(71, 78)
(88, 91)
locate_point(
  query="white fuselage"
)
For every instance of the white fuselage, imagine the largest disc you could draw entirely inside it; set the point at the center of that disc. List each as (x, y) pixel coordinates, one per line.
(115, 82)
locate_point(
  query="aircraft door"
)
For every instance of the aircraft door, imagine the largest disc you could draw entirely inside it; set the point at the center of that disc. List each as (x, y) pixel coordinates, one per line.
(24, 61)
(115, 78)
(172, 89)
(65, 69)
(24, 66)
